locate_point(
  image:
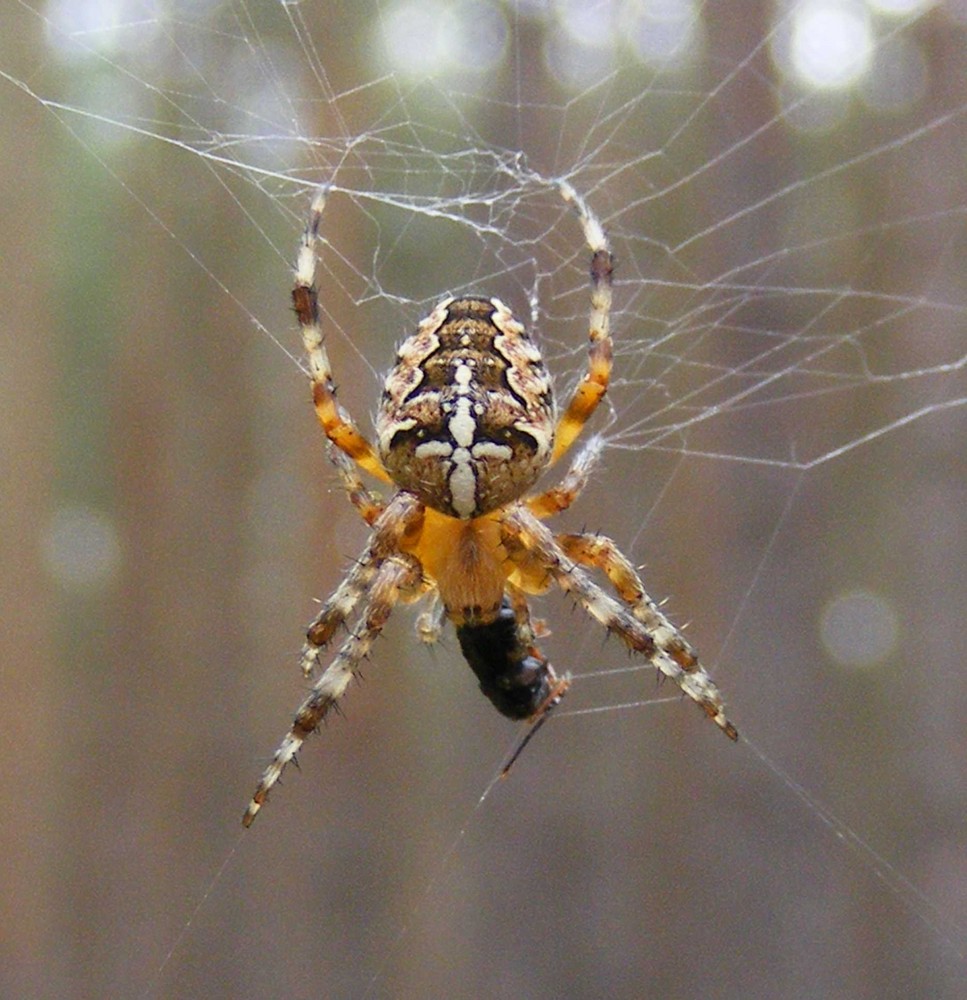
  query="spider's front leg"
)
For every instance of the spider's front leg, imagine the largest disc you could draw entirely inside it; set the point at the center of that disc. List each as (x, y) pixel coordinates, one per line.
(600, 552)
(640, 623)
(395, 520)
(382, 574)
(394, 575)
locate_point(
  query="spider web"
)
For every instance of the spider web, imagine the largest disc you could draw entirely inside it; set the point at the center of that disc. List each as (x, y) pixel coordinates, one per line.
(783, 451)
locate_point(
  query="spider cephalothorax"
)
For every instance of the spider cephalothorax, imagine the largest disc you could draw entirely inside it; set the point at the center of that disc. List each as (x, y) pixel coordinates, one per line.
(466, 426)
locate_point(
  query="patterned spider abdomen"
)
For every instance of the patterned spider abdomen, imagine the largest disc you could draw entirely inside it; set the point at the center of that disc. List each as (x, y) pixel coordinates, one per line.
(467, 416)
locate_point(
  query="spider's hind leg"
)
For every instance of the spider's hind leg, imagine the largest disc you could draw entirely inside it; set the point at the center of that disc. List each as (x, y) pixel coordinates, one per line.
(336, 421)
(558, 498)
(368, 502)
(592, 387)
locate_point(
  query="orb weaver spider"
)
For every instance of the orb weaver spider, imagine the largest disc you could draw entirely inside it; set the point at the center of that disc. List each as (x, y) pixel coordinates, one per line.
(466, 425)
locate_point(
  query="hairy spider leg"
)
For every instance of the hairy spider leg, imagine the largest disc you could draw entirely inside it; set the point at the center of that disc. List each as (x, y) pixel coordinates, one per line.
(639, 622)
(390, 573)
(402, 515)
(592, 387)
(335, 420)
(558, 498)
(369, 503)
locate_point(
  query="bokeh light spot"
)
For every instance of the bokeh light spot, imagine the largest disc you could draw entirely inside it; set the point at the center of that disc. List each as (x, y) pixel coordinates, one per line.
(859, 629)
(831, 44)
(434, 39)
(81, 548)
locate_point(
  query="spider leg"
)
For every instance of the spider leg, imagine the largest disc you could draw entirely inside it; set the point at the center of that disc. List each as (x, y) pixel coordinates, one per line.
(400, 516)
(558, 498)
(640, 624)
(600, 552)
(394, 574)
(591, 389)
(336, 422)
(369, 504)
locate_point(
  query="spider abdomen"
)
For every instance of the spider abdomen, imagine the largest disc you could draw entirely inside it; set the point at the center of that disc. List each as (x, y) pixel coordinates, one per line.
(467, 416)
(515, 677)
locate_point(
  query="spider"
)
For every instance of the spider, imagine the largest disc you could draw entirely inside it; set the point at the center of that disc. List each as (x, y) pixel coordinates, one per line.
(466, 425)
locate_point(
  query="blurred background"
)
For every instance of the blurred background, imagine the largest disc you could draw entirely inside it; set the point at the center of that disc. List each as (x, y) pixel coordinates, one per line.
(785, 457)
